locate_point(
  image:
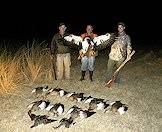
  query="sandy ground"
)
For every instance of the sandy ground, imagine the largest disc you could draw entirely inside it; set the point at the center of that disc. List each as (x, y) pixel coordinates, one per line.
(141, 90)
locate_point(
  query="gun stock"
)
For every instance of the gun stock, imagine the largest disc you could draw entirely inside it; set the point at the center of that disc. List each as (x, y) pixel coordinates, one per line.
(111, 81)
(53, 61)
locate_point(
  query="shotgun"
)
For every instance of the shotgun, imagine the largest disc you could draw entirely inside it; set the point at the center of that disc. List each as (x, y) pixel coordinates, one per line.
(111, 81)
(53, 61)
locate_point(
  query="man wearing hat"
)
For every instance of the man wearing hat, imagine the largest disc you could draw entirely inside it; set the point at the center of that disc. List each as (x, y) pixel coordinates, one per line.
(89, 58)
(61, 51)
(120, 49)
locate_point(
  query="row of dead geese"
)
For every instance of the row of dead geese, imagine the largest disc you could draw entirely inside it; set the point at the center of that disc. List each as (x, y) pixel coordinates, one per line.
(74, 112)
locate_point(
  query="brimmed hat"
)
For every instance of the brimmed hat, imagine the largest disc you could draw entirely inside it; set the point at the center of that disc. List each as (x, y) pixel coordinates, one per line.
(61, 24)
(121, 23)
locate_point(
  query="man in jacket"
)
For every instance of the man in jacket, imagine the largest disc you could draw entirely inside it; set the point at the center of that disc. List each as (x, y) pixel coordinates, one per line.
(61, 51)
(120, 50)
(89, 58)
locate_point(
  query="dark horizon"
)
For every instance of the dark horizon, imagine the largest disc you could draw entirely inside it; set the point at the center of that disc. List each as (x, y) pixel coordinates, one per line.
(144, 27)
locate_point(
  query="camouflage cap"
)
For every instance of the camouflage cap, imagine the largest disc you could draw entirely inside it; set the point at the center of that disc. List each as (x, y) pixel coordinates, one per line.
(61, 24)
(121, 23)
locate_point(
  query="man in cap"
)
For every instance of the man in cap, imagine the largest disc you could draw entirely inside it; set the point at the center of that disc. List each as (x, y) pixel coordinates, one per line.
(61, 51)
(120, 50)
(89, 58)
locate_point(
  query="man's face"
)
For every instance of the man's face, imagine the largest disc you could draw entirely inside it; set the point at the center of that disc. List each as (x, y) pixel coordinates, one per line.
(121, 28)
(62, 29)
(89, 29)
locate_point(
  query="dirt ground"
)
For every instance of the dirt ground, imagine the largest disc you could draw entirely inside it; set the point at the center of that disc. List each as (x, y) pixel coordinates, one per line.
(140, 89)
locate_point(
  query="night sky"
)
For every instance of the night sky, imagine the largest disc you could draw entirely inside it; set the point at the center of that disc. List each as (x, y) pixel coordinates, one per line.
(32, 21)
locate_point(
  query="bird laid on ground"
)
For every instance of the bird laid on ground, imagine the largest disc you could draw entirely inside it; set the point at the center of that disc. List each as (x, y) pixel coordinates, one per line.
(78, 97)
(40, 91)
(39, 119)
(56, 109)
(56, 92)
(38, 105)
(98, 104)
(88, 99)
(64, 122)
(74, 112)
(117, 106)
(85, 114)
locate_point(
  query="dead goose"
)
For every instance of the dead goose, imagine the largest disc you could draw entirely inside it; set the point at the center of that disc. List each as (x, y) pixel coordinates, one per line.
(102, 105)
(122, 109)
(74, 112)
(49, 106)
(69, 94)
(97, 103)
(65, 122)
(56, 110)
(39, 119)
(62, 93)
(88, 99)
(40, 91)
(38, 105)
(117, 106)
(85, 114)
(72, 109)
(76, 97)
(56, 92)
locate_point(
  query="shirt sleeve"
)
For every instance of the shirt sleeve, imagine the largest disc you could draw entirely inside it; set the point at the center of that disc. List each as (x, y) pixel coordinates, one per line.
(53, 45)
(129, 46)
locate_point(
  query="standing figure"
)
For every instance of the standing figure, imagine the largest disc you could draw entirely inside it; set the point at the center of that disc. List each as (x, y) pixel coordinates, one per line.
(61, 51)
(120, 50)
(89, 56)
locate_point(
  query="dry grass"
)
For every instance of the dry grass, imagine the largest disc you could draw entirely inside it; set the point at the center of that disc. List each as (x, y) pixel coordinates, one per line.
(10, 76)
(27, 66)
(34, 61)
(36, 64)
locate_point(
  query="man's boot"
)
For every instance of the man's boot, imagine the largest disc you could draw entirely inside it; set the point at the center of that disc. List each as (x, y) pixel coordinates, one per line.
(83, 75)
(90, 75)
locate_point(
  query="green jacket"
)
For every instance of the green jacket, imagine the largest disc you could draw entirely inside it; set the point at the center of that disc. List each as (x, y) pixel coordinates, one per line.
(60, 46)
